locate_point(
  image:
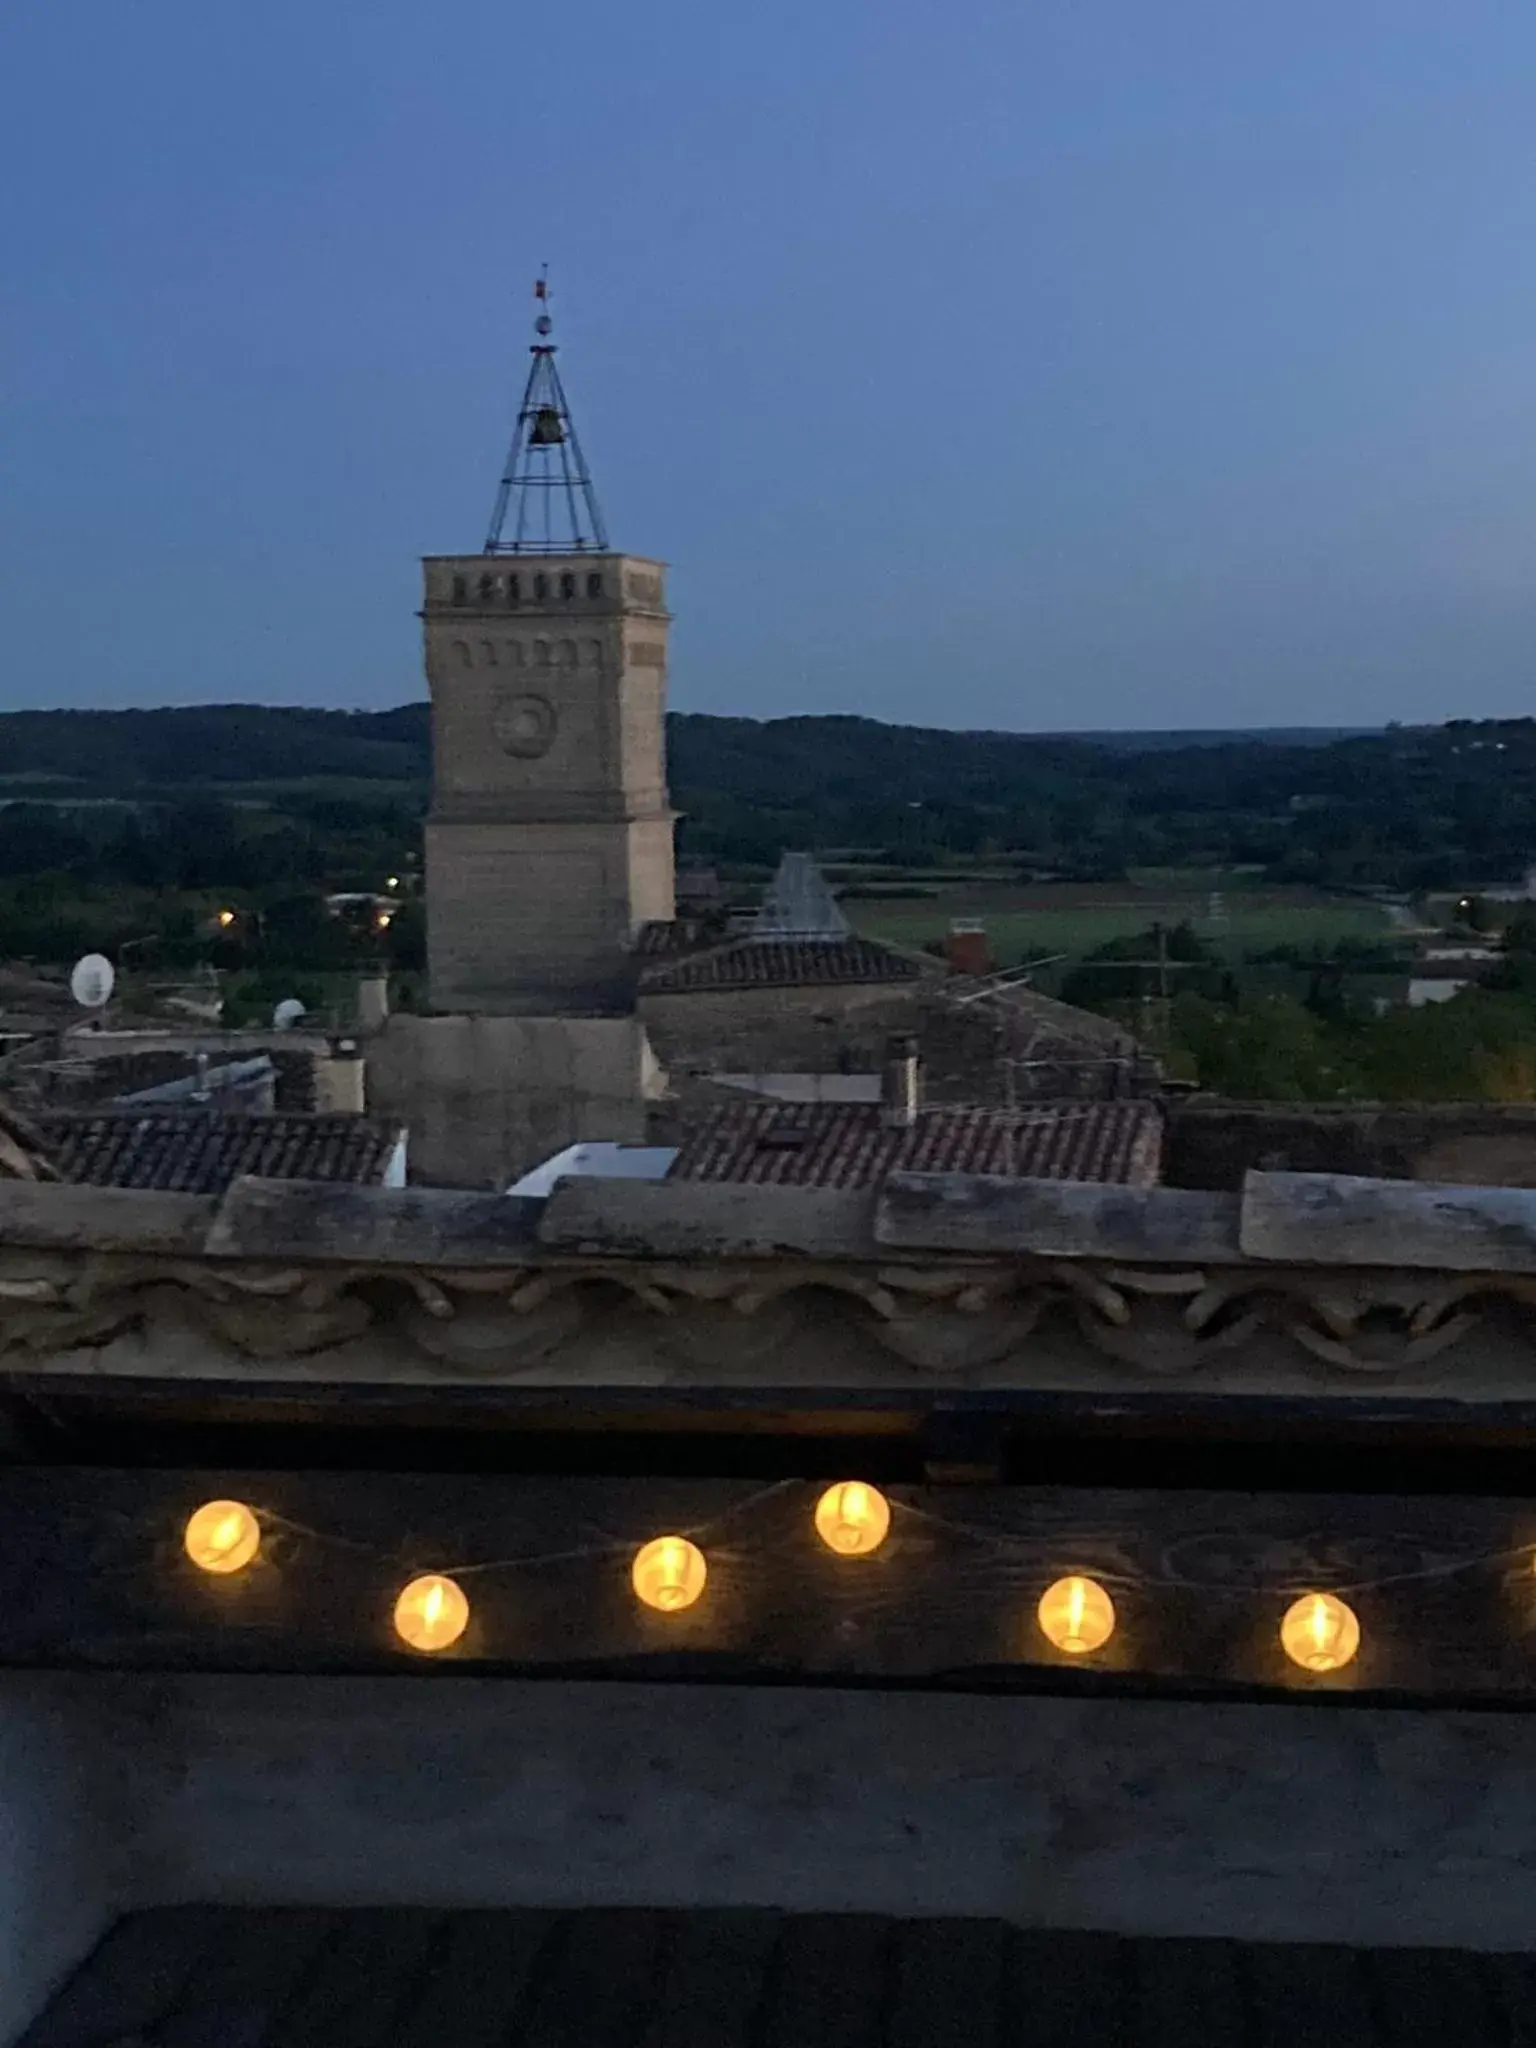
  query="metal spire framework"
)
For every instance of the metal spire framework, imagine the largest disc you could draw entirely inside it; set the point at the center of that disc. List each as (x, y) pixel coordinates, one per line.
(546, 504)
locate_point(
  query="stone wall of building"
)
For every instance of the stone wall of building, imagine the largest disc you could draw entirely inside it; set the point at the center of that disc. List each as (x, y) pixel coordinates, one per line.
(67, 1844)
(531, 919)
(983, 1053)
(1212, 1143)
(1287, 1823)
(1270, 1823)
(807, 1029)
(485, 1098)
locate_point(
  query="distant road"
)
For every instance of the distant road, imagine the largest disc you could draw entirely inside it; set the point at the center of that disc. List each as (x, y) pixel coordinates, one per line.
(1403, 919)
(1260, 736)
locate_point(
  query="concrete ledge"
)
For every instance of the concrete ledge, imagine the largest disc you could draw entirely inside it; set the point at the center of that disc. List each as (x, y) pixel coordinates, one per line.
(59, 1217)
(706, 1219)
(1336, 1219)
(1301, 1220)
(288, 1219)
(1061, 1219)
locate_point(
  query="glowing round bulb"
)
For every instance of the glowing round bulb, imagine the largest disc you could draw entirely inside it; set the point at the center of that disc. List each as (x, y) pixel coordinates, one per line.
(223, 1536)
(1076, 1616)
(669, 1573)
(432, 1613)
(852, 1518)
(1320, 1632)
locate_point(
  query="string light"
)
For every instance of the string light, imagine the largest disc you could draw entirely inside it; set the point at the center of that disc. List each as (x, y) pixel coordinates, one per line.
(669, 1573)
(432, 1613)
(1076, 1616)
(1320, 1632)
(223, 1536)
(853, 1519)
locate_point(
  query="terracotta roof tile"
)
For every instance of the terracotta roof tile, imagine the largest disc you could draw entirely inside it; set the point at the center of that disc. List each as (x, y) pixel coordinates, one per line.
(783, 963)
(850, 1145)
(665, 938)
(201, 1152)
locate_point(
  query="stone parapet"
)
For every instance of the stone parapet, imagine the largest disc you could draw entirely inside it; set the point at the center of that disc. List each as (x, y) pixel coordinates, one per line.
(1302, 1286)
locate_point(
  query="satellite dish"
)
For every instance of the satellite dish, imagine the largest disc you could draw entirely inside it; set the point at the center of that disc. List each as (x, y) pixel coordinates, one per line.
(287, 1013)
(90, 982)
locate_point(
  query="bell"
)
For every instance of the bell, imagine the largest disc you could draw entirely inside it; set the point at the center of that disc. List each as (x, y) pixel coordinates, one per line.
(547, 431)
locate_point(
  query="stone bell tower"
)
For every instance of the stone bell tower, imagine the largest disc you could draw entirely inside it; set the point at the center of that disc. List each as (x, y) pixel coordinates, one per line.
(549, 839)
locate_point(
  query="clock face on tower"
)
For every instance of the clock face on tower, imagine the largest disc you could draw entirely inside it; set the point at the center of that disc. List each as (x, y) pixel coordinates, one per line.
(525, 726)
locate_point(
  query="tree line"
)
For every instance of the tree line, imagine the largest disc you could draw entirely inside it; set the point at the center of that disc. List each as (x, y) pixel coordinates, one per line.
(1405, 809)
(1325, 1044)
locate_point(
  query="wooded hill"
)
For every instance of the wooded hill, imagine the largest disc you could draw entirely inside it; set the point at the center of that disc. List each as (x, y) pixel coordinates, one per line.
(1405, 808)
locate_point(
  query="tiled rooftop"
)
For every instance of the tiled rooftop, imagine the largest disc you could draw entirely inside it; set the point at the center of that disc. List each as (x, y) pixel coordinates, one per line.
(666, 938)
(851, 1145)
(201, 1153)
(782, 963)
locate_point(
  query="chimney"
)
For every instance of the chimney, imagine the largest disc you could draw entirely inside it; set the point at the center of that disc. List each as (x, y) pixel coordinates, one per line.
(901, 1084)
(201, 1092)
(966, 949)
(339, 1079)
(373, 1002)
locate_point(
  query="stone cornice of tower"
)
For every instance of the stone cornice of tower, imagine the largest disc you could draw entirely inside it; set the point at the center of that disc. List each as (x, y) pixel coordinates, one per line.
(472, 566)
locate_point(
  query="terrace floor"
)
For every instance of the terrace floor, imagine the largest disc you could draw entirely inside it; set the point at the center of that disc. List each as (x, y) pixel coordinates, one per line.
(202, 1977)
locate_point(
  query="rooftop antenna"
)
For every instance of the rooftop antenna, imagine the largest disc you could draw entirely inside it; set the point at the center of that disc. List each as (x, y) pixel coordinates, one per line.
(546, 497)
(1002, 978)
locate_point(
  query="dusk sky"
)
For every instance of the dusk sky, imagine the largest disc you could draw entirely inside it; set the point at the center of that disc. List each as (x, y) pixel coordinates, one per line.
(1093, 363)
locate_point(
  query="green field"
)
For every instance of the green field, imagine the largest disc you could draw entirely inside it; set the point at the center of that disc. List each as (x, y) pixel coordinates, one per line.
(1073, 918)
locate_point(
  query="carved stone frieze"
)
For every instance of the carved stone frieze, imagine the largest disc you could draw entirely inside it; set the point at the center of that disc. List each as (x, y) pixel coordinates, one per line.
(791, 1321)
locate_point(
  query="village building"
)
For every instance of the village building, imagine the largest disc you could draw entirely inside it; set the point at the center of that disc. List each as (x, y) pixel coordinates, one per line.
(800, 1007)
(1441, 972)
